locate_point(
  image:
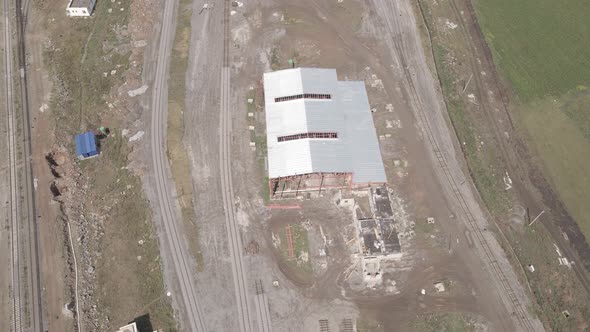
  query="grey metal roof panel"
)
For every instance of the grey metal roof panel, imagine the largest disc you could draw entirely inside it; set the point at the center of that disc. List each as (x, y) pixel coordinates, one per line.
(356, 150)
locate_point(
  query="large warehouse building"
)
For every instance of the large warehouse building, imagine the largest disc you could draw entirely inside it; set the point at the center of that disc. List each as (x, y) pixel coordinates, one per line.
(320, 133)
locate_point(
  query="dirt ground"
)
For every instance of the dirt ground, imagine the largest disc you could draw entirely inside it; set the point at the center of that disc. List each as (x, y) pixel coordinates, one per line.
(454, 27)
(104, 203)
(265, 34)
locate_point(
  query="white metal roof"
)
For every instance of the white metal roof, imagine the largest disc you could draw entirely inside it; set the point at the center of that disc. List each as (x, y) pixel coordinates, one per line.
(356, 150)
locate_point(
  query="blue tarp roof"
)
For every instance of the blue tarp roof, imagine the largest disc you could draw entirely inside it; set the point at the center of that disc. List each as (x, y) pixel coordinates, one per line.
(86, 145)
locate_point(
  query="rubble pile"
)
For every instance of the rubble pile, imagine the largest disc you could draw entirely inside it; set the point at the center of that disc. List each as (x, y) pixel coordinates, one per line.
(70, 189)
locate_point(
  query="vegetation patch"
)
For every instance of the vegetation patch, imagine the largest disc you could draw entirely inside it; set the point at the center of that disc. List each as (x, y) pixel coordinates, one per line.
(550, 132)
(88, 58)
(176, 152)
(294, 250)
(552, 124)
(480, 158)
(448, 322)
(538, 44)
(555, 286)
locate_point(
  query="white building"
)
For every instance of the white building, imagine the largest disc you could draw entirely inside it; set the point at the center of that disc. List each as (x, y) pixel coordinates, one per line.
(80, 7)
(128, 328)
(319, 128)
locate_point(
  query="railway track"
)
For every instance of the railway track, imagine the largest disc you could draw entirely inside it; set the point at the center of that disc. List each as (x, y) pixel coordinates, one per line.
(13, 169)
(194, 318)
(517, 308)
(235, 241)
(25, 276)
(262, 310)
(242, 295)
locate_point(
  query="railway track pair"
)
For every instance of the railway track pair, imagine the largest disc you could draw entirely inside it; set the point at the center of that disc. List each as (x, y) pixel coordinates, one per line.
(495, 268)
(25, 275)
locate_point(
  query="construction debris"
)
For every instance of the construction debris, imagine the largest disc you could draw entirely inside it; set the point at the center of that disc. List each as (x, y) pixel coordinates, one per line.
(137, 92)
(252, 248)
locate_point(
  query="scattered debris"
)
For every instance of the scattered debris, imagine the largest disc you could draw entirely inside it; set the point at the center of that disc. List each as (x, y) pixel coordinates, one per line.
(507, 181)
(440, 287)
(137, 136)
(565, 261)
(451, 25)
(140, 43)
(139, 91)
(252, 248)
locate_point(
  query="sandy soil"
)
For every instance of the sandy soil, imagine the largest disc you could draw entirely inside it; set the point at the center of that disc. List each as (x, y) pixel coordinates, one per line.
(55, 291)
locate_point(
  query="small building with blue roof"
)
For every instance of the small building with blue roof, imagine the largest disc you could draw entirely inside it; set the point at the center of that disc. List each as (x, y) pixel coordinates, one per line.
(86, 145)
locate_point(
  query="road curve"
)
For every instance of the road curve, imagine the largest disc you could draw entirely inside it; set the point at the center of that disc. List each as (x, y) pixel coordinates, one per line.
(181, 259)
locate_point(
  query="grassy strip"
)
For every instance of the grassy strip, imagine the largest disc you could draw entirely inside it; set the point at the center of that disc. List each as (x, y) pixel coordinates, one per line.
(300, 250)
(552, 287)
(177, 154)
(86, 58)
(569, 168)
(449, 322)
(259, 138)
(538, 44)
(479, 159)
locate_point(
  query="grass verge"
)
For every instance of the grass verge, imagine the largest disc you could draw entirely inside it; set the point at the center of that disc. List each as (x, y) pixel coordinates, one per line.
(553, 131)
(300, 263)
(537, 44)
(87, 58)
(449, 322)
(177, 154)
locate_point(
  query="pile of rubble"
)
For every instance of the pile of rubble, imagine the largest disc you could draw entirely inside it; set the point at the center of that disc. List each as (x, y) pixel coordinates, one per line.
(69, 188)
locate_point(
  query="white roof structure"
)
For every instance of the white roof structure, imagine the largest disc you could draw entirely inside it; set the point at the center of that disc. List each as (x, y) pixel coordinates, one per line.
(317, 124)
(81, 8)
(128, 328)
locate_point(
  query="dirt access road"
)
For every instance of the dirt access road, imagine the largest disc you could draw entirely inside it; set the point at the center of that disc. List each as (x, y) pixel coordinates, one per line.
(426, 102)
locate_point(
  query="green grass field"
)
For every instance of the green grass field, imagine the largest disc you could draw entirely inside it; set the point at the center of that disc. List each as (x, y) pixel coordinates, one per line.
(450, 322)
(540, 45)
(542, 49)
